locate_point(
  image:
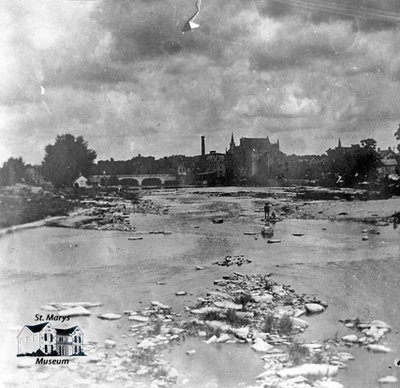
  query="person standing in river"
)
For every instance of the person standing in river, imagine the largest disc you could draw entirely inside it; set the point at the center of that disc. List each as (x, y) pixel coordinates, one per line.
(266, 211)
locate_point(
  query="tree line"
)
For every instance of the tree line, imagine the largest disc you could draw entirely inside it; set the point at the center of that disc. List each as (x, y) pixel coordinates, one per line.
(70, 156)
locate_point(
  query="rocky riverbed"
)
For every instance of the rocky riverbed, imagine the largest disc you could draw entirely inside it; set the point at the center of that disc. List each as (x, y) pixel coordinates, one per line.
(181, 306)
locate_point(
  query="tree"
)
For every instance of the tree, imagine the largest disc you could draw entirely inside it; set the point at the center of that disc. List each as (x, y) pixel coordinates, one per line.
(66, 159)
(351, 165)
(12, 172)
(397, 136)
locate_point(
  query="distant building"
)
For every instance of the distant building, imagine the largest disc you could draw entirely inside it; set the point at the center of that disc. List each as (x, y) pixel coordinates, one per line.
(215, 163)
(255, 160)
(81, 182)
(47, 339)
(388, 163)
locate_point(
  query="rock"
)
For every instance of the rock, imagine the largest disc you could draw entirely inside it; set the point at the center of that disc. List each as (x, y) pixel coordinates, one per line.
(241, 333)
(379, 348)
(218, 325)
(202, 333)
(309, 370)
(95, 358)
(267, 231)
(68, 305)
(314, 308)
(261, 346)
(211, 340)
(217, 220)
(387, 380)
(181, 293)
(135, 238)
(350, 338)
(278, 290)
(313, 347)
(219, 295)
(75, 312)
(380, 324)
(200, 267)
(220, 282)
(155, 303)
(204, 310)
(110, 316)
(190, 352)
(271, 241)
(365, 238)
(109, 344)
(223, 338)
(172, 374)
(375, 333)
(298, 234)
(327, 384)
(228, 305)
(146, 344)
(344, 356)
(49, 308)
(161, 283)
(265, 298)
(297, 322)
(138, 318)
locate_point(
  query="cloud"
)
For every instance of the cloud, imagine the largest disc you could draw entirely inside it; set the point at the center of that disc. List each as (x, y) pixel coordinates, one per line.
(122, 74)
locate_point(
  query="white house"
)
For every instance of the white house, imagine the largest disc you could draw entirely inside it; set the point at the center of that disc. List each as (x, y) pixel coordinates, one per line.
(81, 182)
(44, 337)
(69, 342)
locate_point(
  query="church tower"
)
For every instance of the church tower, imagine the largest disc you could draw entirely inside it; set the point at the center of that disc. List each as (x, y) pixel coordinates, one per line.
(339, 144)
(232, 144)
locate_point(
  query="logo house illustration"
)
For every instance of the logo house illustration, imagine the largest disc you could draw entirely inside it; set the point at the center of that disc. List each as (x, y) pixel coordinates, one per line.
(45, 340)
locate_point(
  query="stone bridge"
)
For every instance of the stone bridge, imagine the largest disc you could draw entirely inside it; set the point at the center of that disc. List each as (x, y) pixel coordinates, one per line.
(138, 180)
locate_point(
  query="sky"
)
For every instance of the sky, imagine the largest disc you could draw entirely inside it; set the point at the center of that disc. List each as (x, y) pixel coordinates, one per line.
(123, 75)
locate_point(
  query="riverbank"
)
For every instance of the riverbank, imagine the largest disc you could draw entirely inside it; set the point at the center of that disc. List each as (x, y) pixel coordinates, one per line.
(23, 204)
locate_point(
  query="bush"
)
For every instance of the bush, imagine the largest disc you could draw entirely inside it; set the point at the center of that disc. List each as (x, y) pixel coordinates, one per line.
(285, 325)
(269, 323)
(233, 319)
(212, 316)
(243, 299)
(298, 353)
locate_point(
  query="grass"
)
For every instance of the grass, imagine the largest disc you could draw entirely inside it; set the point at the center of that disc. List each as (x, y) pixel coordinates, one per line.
(282, 325)
(156, 327)
(212, 316)
(285, 325)
(269, 323)
(235, 320)
(144, 356)
(298, 353)
(28, 207)
(243, 299)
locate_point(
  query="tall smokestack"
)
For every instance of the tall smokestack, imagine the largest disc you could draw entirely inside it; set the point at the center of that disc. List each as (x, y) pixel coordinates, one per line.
(203, 146)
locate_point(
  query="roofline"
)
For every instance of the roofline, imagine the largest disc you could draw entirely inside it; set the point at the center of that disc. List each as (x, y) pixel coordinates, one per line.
(47, 323)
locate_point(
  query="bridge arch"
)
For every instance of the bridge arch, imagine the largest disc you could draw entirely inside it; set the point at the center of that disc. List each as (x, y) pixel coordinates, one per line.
(152, 182)
(129, 182)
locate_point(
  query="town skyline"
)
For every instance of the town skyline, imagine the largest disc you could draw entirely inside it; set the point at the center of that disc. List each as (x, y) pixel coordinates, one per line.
(208, 149)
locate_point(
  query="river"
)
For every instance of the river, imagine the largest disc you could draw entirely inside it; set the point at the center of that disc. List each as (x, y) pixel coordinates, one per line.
(331, 261)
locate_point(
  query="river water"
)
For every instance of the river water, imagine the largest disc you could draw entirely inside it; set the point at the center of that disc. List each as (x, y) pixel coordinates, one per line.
(357, 278)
